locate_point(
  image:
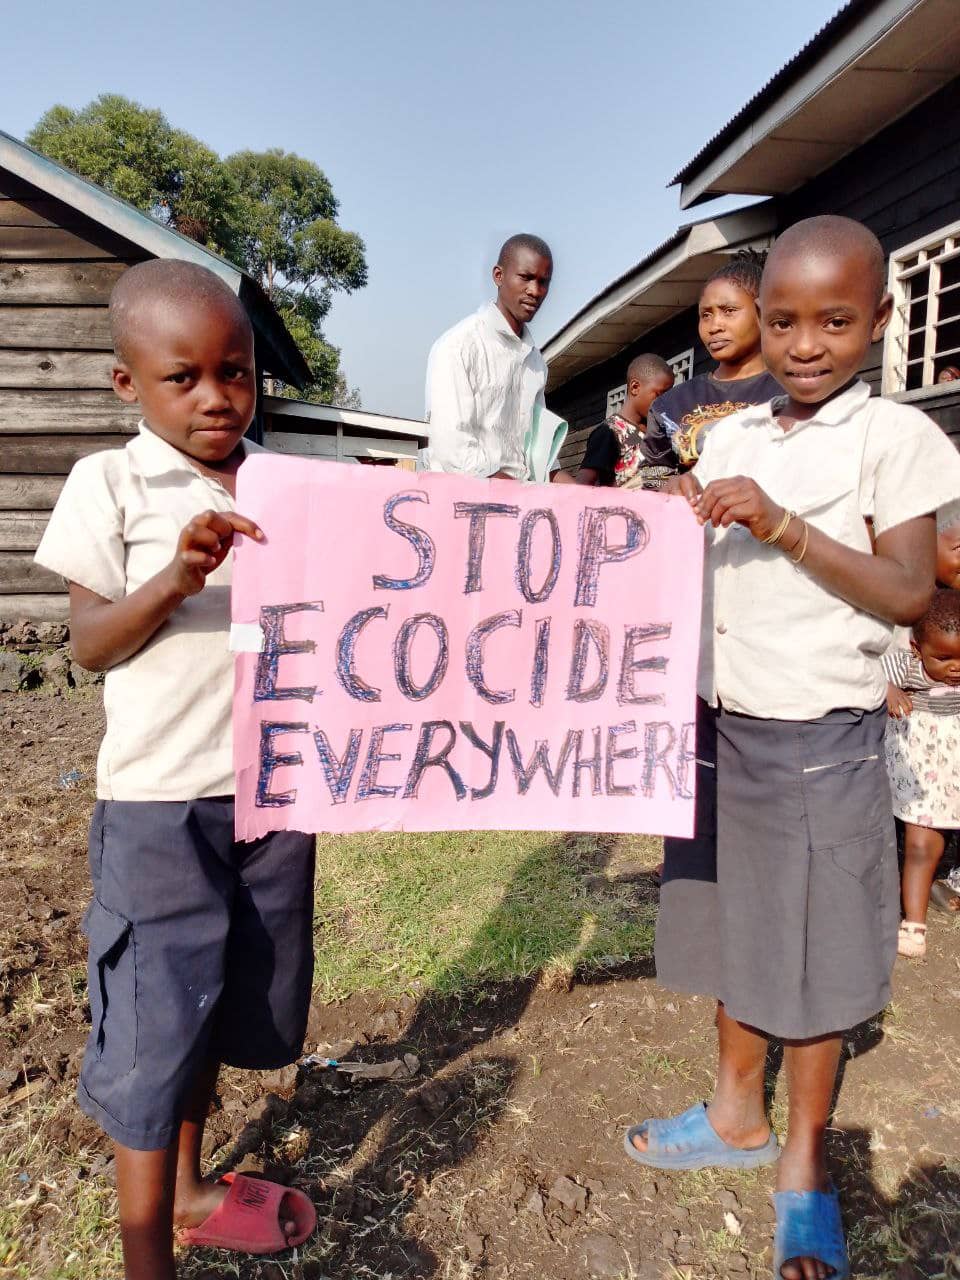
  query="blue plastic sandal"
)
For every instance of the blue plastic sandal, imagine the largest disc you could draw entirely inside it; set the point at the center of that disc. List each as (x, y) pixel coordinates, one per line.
(690, 1141)
(809, 1226)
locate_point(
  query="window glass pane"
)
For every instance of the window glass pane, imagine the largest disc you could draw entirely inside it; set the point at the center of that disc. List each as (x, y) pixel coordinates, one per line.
(914, 376)
(915, 344)
(942, 363)
(919, 283)
(950, 271)
(917, 314)
(948, 336)
(948, 305)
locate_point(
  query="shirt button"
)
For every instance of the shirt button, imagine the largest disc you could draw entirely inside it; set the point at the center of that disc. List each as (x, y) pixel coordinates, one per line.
(721, 628)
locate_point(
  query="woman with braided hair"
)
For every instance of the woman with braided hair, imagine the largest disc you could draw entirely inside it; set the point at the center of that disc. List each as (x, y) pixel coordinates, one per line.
(730, 330)
(680, 419)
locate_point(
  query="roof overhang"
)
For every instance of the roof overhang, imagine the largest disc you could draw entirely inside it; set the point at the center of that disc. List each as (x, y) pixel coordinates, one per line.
(872, 64)
(307, 418)
(660, 287)
(157, 241)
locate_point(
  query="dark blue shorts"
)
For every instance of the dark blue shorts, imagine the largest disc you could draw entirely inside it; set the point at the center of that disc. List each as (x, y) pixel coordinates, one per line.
(200, 949)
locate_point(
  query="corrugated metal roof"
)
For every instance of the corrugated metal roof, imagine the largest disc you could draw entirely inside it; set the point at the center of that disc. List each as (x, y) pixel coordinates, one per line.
(843, 19)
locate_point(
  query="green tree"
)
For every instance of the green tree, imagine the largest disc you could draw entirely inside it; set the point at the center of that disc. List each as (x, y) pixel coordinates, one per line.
(271, 212)
(135, 152)
(291, 241)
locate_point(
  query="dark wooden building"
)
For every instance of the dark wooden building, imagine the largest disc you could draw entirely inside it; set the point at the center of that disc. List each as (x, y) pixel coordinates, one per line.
(64, 242)
(863, 121)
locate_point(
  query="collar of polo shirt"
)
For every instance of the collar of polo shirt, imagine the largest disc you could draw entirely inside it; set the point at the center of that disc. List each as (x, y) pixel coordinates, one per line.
(156, 457)
(831, 414)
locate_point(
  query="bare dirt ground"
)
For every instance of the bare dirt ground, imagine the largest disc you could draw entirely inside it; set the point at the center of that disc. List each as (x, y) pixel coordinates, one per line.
(500, 1155)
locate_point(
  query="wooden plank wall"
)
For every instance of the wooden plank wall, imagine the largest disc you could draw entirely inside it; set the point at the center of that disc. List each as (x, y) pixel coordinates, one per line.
(57, 269)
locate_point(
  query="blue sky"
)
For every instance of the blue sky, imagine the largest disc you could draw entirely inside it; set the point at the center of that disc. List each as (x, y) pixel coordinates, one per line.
(444, 126)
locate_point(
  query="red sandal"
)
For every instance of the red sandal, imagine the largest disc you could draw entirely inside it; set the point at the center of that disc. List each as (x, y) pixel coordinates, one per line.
(247, 1220)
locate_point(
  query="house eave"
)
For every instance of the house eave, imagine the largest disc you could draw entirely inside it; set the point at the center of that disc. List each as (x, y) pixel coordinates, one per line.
(305, 417)
(661, 286)
(158, 241)
(848, 86)
(109, 210)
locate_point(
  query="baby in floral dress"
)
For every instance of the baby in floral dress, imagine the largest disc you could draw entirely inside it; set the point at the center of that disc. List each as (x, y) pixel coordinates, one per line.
(923, 753)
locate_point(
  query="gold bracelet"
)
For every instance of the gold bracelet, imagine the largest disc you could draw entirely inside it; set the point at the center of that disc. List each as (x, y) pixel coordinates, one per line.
(804, 538)
(780, 529)
(797, 540)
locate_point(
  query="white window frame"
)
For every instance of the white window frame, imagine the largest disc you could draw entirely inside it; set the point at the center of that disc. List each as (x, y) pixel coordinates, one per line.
(896, 340)
(682, 365)
(615, 398)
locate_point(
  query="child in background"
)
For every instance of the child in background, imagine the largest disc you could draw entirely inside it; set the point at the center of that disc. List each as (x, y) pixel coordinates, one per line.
(618, 451)
(794, 927)
(200, 947)
(923, 754)
(730, 330)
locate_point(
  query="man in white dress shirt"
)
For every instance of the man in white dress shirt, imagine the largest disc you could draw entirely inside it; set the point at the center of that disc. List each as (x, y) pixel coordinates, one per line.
(485, 376)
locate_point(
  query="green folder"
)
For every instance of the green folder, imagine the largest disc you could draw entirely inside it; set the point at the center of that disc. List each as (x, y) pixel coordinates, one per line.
(543, 443)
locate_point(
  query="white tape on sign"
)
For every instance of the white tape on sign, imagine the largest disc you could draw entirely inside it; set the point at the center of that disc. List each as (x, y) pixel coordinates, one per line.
(246, 637)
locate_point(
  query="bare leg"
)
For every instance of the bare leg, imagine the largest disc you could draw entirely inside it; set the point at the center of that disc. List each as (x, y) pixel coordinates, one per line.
(145, 1181)
(922, 850)
(811, 1075)
(736, 1111)
(150, 1183)
(196, 1197)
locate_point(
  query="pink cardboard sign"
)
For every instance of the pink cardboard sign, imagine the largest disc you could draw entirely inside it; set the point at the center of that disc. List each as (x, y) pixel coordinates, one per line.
(432, 652)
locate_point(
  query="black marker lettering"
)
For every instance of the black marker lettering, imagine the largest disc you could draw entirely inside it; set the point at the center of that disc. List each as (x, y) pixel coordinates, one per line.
(630, 664)
(595, 551)
(275, 645)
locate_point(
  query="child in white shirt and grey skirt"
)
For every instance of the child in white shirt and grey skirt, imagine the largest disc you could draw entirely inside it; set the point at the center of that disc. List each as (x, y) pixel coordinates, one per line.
(923, 755)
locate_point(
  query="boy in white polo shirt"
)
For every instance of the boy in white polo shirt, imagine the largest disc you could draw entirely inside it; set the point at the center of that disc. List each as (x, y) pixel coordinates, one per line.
(819, 509)
(200, 948)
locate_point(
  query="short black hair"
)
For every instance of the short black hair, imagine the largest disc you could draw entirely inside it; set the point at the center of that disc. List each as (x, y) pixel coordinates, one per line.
(942, 615)
(744, 268)
(646, 367)
(523, 240)
(829, 234)
(168, 282)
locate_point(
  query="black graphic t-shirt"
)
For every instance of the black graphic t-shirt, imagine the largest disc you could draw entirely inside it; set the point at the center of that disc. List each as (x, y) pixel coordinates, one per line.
(682, 416)
(621, 455)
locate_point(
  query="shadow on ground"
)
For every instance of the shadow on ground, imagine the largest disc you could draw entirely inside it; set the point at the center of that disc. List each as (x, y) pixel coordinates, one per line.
(368, 1155)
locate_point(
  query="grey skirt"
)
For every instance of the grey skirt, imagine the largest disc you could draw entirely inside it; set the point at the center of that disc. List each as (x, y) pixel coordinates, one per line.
(785, 904)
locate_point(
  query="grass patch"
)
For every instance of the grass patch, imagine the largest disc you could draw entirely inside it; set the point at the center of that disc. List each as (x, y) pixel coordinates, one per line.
(85, 1241)
(453, 910)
